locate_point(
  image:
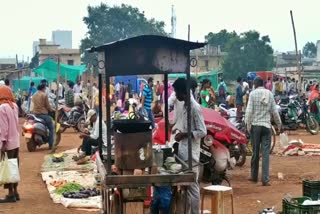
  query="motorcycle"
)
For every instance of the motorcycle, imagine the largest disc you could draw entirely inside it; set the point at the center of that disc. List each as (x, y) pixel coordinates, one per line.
(294, 112)
(36, 133)
(74, 117)
(236, 149)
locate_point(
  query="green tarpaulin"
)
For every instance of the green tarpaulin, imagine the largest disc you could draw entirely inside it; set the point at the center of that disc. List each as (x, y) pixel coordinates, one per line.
(211, 75)
(25, 83)
(49, 69)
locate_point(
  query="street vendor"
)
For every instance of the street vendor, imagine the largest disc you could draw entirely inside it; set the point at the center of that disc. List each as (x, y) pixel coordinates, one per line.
(198, 131)
(91, 137)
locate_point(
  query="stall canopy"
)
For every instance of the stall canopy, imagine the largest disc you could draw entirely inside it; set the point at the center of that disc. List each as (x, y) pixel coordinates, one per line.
(25, 82)
(48, 70)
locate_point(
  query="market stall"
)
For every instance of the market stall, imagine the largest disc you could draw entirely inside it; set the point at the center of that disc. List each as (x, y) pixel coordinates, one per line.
(147, 54)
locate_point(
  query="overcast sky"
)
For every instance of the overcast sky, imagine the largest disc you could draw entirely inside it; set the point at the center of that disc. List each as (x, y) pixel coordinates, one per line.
(24, 21)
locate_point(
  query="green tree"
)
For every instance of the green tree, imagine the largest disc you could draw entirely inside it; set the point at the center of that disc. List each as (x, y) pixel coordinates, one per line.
(247, 52)
(34, 61)
(309, 50)
(107, 24)
(221, 38)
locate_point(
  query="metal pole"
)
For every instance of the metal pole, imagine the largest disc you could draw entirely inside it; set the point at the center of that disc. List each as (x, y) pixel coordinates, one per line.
(100, 114)
(189, 108)
(56, 104)
(297, 54)
(108, 120)
(166, 110)
(18, 72)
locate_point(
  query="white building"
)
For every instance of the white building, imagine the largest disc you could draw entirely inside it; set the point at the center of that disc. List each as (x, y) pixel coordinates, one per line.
(63, 38)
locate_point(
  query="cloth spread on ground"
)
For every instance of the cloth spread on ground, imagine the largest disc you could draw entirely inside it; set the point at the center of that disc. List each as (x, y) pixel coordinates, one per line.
(67, 165)
(68, 170)
(302, 149)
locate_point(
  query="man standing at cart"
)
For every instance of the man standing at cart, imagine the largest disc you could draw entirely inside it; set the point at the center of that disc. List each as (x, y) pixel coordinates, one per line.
(147, 98)
(198, 131)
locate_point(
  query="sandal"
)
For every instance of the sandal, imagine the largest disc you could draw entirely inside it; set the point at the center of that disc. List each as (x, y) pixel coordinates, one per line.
(17, 197)
(8, 199)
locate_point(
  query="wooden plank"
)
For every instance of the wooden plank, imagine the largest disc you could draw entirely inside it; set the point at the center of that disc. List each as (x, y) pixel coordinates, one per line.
(134, 208)
(126, 181)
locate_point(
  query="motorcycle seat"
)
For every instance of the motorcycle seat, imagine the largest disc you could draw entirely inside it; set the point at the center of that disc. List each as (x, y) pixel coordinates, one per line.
(66, 109)
(37, 119)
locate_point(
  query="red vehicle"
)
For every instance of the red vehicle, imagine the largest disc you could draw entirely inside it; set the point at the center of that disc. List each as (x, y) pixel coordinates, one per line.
(223, 146)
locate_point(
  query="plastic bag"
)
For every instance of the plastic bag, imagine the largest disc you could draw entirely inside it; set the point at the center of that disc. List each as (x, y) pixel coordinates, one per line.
(4, 170)
(9, 170)
(284, 140)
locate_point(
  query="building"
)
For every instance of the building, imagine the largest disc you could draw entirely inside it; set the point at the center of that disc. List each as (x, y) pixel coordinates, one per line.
(35, 46)
(208, 58)
(7, 63)
(67, 56)
(63, 38)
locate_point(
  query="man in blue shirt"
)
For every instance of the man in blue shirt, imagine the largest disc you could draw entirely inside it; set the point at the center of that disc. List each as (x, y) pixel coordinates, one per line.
(32, 90)
(147, 98)
(239, 98)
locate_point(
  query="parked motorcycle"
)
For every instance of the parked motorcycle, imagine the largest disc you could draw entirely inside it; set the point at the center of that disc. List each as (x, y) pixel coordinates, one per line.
(74, 117)
(294, 114)
(237, 150)
(36, 133)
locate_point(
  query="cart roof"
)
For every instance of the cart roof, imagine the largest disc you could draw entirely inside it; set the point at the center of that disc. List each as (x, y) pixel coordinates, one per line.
(150, 41)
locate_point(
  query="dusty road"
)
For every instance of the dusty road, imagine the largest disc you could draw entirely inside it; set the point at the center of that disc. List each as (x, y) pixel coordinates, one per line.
(249, 198)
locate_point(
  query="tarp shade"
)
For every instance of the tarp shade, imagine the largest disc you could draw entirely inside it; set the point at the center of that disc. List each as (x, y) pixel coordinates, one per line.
(25, 83)
(211, 75)
(49, 69)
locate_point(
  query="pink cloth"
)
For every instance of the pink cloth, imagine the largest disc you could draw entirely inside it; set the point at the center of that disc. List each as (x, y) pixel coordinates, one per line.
(9, 127)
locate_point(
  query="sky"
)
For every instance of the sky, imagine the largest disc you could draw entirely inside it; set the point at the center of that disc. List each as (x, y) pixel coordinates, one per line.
(25, 21)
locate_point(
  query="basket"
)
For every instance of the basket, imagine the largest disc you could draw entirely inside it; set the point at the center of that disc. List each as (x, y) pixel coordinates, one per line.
(297, 208)
(311, 189)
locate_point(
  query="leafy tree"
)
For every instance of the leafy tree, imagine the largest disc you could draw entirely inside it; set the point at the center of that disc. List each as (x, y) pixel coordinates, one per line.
(221, 38)
(247, 52)
(309, 50)
(34, 61)
(107, 24)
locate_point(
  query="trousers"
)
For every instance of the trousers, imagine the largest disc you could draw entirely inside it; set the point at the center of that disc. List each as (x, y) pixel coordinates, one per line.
(260, 138)
(49, 123)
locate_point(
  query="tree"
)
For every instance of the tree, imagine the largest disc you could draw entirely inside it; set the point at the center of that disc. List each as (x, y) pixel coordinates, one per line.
(107, 24)
(247, 52)
(34, 61)
(220, 39)
(309, 50)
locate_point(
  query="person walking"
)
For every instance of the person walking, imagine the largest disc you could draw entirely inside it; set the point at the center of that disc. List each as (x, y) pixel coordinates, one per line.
(146, 100)
(31, 91)
(69, 95)
(261, 108)
(204, 93)
(240, 92)
(9, 136)
(222, 92)
(198, 131)
(42, 108)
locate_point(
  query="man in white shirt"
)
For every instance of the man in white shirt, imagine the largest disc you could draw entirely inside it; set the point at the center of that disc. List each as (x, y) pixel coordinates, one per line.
(91, 138)
(198, 131)
(77, 88)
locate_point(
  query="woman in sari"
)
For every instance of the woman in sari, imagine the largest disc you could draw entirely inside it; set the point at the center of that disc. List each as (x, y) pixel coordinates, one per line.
(314, 103)
(9, 136)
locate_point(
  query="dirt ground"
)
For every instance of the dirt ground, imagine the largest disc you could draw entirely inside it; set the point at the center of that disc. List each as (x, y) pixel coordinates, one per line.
(249, 198)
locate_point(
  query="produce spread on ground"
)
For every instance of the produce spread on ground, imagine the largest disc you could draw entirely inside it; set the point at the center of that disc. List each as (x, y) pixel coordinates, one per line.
(70, 183)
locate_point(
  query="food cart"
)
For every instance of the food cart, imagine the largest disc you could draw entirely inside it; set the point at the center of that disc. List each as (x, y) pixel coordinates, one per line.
(141, 55)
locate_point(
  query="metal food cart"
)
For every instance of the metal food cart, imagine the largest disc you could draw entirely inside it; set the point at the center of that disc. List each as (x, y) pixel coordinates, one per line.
(141, 55)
